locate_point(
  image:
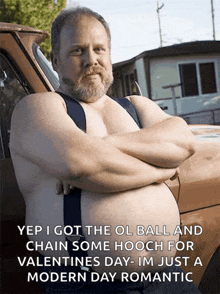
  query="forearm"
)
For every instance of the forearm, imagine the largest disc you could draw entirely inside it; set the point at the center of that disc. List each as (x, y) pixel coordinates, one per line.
(166, 144)
(116, 176)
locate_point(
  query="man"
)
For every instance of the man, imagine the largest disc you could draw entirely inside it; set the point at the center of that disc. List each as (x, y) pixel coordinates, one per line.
(117, 168)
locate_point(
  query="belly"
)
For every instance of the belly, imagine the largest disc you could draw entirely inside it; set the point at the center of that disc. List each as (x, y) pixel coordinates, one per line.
(141, 223)
(151, 209)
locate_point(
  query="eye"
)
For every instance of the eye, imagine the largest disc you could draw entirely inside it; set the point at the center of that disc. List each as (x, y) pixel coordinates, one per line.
(99, 49)
(77, 51)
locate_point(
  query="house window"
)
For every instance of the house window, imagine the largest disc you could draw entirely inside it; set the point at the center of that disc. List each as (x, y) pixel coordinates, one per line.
(207, 76)
(197, 78)
(129, 82)
(127, 85)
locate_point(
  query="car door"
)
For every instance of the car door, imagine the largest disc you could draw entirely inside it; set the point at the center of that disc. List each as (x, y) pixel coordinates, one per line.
(13, 87)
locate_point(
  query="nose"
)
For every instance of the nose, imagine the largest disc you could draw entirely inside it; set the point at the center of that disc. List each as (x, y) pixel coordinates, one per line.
(89, 58)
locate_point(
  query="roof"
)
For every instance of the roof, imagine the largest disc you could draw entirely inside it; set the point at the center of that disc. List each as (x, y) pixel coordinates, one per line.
(197, 47)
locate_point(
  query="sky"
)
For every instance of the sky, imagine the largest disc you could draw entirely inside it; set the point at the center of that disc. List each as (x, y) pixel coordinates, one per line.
(134, 23)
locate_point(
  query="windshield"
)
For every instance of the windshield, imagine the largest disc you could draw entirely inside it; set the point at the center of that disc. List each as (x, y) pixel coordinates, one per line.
(46, 66)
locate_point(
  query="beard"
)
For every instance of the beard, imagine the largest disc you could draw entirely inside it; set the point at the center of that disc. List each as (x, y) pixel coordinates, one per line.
(87, 90)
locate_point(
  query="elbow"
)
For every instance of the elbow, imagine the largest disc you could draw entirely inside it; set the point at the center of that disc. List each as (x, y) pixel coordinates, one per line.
(190, 143)
(188, 139)
(188, 148)
(185, 143)
(76, 170)
(188, 151)
(180, 156)
(192, 146)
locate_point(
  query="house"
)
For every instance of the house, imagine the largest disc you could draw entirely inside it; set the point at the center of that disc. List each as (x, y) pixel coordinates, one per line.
(183, 79)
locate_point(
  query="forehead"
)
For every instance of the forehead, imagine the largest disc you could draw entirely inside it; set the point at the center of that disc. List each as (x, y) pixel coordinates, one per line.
(83, 29)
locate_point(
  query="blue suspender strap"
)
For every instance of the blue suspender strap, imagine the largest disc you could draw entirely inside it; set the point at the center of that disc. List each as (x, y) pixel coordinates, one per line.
(72, 201)
(75, 111)
(129, 107)
(72, 217)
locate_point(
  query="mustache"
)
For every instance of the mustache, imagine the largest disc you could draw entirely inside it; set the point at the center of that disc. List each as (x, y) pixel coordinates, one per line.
(92, 71)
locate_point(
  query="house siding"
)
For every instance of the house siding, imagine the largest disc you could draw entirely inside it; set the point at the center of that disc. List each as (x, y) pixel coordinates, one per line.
(161, 67)
(165, 71)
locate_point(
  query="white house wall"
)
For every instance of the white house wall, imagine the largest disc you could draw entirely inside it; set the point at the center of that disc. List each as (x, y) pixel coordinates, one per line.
(165, 71)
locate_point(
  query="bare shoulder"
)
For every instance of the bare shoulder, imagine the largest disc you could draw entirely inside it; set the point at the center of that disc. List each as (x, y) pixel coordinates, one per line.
(148, 111)
(141, 101)
(38, 100)
(36, 108)
(40, 113)
(137, 98)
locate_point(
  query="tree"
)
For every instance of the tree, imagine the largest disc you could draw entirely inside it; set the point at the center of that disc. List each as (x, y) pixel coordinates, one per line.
(34, 13)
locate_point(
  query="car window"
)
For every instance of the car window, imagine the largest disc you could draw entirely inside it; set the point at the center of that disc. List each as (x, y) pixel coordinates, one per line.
(12, 89)
(46, 66)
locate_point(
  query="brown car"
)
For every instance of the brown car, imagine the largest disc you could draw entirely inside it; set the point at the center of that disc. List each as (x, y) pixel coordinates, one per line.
(25, 70)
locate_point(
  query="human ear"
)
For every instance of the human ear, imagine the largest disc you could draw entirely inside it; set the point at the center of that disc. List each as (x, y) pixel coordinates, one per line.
(54, 60)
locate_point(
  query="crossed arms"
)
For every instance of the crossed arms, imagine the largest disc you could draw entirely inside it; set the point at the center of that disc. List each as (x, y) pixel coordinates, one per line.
(44, 134)
(164, 141)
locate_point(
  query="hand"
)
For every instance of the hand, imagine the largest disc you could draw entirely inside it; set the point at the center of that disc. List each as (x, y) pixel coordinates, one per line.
(63, 188)
(168, 174)
(176, 175)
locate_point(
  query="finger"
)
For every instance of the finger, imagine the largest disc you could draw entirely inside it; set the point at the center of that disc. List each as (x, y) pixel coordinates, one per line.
(173, 178)
(66, 188)
(175, 175)
(59, 187)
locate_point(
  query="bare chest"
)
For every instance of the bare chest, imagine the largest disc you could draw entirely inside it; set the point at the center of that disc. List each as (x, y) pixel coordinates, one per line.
(109, 119)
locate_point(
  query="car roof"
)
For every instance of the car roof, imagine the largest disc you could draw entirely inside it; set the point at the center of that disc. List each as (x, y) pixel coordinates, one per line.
(6, 26)
(17, 28)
